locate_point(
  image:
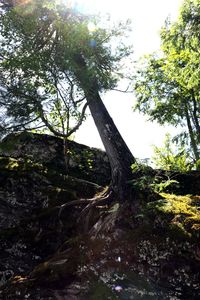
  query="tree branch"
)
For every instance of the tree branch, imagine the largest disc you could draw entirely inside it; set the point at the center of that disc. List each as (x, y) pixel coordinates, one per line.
(51, 128)
(122, 91)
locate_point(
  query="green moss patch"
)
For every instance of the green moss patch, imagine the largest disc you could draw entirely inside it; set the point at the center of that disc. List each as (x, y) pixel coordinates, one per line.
(13, 164)
(179, 214)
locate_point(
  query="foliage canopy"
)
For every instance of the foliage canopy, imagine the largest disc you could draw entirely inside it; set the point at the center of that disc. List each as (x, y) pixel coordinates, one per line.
(42, 46)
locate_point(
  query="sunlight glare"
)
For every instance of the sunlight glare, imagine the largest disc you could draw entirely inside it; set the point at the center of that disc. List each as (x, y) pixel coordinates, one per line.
(91, 27)
(126, 8)
(94, 6)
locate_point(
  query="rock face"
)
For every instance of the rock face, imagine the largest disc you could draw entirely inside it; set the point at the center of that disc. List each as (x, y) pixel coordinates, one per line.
(33, 186)
(83, 162)
(32, 226)
(45, 253)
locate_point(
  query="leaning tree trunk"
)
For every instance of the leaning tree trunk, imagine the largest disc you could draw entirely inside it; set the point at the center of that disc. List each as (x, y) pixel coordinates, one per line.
(119, 155)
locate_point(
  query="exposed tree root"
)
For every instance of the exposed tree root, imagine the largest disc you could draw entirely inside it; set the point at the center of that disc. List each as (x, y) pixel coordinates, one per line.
(103, 199)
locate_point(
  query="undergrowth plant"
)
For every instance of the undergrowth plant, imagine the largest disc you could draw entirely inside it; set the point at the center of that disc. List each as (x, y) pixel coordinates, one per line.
(147, 180)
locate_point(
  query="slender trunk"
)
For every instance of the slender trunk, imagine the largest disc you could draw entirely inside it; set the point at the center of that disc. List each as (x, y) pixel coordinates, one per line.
(191, 133)
(119, 155)
(195, 116)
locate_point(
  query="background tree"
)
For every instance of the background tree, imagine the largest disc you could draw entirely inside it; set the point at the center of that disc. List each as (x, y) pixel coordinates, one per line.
(167, 84)
(45, 34)
(169, 157)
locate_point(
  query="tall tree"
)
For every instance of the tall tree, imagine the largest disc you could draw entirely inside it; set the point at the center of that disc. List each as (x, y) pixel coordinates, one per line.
(49, 35)
(167, 84)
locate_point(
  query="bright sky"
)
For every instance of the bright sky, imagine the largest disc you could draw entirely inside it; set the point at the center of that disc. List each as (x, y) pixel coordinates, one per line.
(147, 17)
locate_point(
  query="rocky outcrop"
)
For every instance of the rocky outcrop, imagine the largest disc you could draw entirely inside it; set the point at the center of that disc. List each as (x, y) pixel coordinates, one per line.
(146, 252)
(32, 226)
(34, 184)
(186, 183)
(83, 162)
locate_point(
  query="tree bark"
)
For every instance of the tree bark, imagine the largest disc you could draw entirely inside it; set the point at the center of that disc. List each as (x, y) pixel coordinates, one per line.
(119, 155)
(191, 133)
(195, 116)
